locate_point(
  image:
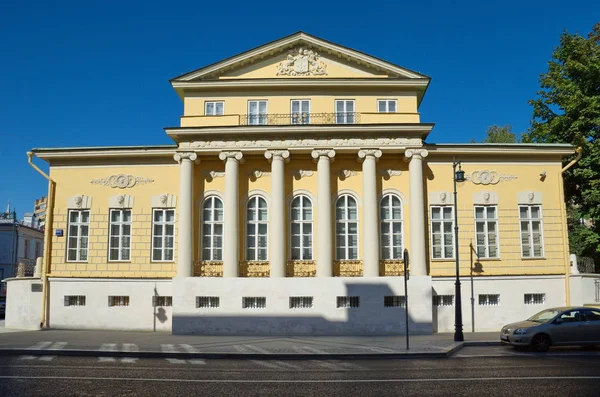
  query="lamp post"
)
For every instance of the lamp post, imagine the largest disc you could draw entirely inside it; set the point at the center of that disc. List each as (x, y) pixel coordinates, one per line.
(457, 176)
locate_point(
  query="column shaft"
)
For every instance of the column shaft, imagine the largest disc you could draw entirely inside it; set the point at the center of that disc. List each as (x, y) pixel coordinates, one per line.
(418, 266)
(231, 244)
(277, 232)
(184, 244)
(324, 220)
(370, 215)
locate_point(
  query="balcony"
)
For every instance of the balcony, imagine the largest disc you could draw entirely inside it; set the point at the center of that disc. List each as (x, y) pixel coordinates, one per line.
(230, 120)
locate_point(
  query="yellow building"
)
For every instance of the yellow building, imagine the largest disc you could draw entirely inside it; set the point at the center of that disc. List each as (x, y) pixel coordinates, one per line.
(298, 177)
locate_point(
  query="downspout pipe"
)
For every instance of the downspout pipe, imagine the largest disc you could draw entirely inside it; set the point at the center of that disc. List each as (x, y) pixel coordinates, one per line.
(579, 153)
(47, 240)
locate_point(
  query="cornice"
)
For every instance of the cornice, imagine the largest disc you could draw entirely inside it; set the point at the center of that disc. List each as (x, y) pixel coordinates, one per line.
(501, 150)
(107, 152)
(303, 82)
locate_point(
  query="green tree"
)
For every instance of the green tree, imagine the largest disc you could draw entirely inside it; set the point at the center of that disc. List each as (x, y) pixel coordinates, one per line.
(567, 110)
(500, 134)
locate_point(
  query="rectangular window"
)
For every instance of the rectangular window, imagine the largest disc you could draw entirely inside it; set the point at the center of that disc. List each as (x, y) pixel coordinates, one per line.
(254, 302)
(214, 108)
(489, 299)
(163, 235)
(394, 301)
(26, 249)
(531, 231)
(442, 238)
(344, 111)
(118, 301)
(164, 301)
(344, 302)
(301, 111)
(120, 235)
(38, 249)
(74, 300)
(386, 106)
(486, 231)
(77, 240)
(301, 302)
(443, 300)
(211, 302)
(534, 299)
(257, 112)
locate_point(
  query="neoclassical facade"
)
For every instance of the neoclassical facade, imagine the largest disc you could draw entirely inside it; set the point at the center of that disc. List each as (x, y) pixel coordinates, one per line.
(299, 174)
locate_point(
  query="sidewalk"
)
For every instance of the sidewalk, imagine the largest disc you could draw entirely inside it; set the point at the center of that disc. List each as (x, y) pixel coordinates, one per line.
(166, 345)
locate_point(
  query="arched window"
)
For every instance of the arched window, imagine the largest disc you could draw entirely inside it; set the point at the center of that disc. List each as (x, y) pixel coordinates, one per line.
(391, 227)
(256, 229)
(346, 228)
(302, 228)
(212, 229)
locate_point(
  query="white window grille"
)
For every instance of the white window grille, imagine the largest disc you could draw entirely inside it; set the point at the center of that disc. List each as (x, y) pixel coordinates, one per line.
(214, 108)
(534, 299)
(302, 228)
(164, 301)
(344, 111)
(486, 231)
(77, 240)
(489, 299)
(344, 302)
(443, 300)
(211, 302)
(212, 229)
(74, 300)
(256, 229)
(120, 235)
(257, 112)
(118, 301)
(391, 227)
(163, 235)
(387, 106)
(254, 302)
(301, 111)
(394, 301)
(532, 245)
(301, 302)
(346, 230)
(442, 237)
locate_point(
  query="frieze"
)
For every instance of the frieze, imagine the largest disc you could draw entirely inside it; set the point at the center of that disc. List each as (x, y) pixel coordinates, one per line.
(301, 143)
(302, 62)
(122, 181)
(487, 177)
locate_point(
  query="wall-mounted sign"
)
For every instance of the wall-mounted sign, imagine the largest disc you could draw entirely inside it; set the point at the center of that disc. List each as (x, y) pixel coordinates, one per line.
(36, 287)
(59, 232)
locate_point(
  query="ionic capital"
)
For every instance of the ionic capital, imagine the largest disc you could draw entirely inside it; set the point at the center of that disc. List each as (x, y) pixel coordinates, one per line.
(318, 153)
(180, 156)
(364, 153)
(237, 156)
(275, 154)
(416, 153)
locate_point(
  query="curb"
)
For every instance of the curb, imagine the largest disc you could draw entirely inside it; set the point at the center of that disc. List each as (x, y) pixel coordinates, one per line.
(482, 343)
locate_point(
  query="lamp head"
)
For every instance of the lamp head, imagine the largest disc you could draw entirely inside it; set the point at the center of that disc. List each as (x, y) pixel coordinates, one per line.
(459, 176)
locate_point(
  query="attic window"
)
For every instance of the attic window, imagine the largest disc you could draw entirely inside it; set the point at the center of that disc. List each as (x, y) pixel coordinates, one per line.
(214, 108)
(387, 106)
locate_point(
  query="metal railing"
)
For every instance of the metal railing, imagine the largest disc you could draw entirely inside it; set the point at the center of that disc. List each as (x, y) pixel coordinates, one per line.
(300, 118)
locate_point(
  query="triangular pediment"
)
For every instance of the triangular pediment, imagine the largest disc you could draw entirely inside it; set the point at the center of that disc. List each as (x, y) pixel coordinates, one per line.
(300, 56)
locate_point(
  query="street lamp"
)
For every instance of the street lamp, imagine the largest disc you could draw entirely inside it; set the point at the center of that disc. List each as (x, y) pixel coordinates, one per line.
(457, 176)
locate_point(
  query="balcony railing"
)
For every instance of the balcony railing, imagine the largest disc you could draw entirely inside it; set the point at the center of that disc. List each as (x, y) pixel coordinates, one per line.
(300, 118)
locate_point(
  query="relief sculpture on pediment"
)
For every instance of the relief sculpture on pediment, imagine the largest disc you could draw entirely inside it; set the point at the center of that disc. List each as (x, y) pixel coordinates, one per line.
(302, 62)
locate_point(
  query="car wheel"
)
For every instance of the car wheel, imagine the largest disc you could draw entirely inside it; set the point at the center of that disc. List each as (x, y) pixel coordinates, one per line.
(541, 343)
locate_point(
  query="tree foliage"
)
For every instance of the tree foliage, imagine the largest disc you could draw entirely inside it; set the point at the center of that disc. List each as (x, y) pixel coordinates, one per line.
(567, 110)
(500, 134)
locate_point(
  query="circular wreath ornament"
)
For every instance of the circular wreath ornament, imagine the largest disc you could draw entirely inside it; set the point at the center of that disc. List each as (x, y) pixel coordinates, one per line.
(122, 181)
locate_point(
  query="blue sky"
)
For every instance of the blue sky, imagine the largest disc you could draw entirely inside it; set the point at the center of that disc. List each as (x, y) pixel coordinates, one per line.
(88, 73)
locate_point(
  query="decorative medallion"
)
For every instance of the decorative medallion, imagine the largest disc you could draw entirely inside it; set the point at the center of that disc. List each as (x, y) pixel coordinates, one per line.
(486, 177)
(258, 174)
(302, 62)
(299, 174)
(122, 181)
(389, 173)
(347, 173)
(214, 174)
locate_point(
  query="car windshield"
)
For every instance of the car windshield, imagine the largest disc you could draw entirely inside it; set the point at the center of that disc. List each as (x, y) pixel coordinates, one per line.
(544, 316)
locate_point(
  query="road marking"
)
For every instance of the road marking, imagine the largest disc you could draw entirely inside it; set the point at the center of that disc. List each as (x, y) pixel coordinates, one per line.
(313, 350)
(58, 346)
(278, 362)
(197, 362)
(168, 349)
(352, 366)
(130, 347)
(379, 349)
(47, 358)
(129, 360)
(108, 347)
(106, 359)
(28, 357)
(189, 348)
(39, 345)
(265, 364)
(175, 361)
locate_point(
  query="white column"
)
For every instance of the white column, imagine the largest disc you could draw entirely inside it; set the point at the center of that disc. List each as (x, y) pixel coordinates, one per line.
(324, 220)
(231, 255)
(277, 233)
(370, 216)
(417, 265)
(184, 239)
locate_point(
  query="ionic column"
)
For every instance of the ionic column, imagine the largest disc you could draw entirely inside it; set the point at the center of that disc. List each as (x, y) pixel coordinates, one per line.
(184, 247)
(277, 240)
(370, 222)
(418, 266)
(231, 245)
(324, 220)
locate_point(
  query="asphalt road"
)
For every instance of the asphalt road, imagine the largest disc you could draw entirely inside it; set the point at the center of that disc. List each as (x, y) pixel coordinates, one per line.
(465, 376)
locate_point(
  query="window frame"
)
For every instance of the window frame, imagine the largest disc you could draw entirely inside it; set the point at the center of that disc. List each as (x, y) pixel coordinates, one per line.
(487, 300)
(212, 223)
(302, 222)
(529, 221)
(346, 222)
(215, 108)
(390, 222)
(533, 295)
(345, 112)
(121, 224)
(442, 300)
(266, 119)
(164, 236)
(78, 247)
(256, 222)
(387, 105)
(485, 222)
(302, 119)
(442, 220)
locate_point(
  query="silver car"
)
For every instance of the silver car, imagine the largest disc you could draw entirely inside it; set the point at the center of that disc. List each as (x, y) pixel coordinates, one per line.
(555, 327)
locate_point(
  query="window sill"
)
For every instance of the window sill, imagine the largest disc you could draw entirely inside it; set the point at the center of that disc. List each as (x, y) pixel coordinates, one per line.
(537, 258)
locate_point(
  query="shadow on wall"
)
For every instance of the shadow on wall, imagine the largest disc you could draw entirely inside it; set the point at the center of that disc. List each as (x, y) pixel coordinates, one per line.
(371, 317)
